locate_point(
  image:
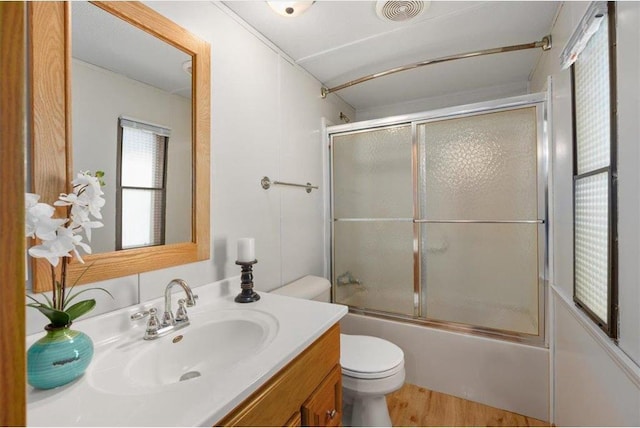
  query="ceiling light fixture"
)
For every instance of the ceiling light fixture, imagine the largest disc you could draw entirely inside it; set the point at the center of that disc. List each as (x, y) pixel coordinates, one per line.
(187, 66)
(290, 9)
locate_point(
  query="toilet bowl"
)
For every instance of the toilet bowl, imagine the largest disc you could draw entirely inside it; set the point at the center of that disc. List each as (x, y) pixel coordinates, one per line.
(371, 367)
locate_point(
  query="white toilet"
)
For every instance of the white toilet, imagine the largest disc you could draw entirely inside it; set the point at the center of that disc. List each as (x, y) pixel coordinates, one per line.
(371, 367)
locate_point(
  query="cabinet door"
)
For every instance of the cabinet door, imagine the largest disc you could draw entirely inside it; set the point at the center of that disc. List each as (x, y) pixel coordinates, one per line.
(295, 420)
(324, 406)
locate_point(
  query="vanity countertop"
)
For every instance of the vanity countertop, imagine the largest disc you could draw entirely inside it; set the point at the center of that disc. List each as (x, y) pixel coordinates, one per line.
(200, 401)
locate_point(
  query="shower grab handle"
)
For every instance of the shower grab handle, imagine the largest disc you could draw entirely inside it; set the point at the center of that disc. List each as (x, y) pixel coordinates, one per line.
(442, 221)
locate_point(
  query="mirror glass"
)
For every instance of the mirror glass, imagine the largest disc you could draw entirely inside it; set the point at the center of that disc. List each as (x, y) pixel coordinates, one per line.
(131, 104)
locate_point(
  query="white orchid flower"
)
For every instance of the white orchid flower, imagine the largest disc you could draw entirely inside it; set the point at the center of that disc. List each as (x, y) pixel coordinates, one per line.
(64, 243)
(87, 226)
(31, 199)
(66, 199)
(84, 178)
(76, 240)
(89, 191)
(79, 213)
(57, 240)
(61, 238)
(38, 219)
(87, 195)
(53, 249)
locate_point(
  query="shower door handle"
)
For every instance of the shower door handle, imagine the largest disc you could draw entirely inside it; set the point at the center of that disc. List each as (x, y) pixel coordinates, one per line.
(372, 219)
(401, 219)
(481, 221)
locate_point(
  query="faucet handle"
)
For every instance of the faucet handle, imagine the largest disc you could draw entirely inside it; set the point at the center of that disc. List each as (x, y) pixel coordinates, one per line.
(167, 319)
(181, 313)
(138, 315)
(153, 325)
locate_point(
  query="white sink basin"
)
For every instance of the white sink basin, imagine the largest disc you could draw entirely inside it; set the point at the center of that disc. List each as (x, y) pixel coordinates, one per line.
(214, 341)
(234, 347)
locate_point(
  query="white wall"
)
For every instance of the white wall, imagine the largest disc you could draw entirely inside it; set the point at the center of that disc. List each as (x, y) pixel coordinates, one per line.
(596, 382)
(99, 98)
(266, 120)
(455, 99)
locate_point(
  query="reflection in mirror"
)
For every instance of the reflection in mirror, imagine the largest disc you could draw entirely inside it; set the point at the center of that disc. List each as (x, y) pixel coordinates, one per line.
(52, 152)
(131, 118)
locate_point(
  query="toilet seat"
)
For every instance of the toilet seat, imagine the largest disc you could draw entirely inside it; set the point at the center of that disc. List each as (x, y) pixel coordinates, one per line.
(367, 357)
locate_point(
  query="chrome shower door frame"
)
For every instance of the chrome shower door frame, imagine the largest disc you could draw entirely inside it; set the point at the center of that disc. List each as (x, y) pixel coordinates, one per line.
(539, 101)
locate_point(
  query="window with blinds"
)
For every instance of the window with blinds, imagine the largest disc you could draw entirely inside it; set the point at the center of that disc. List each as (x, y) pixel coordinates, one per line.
(595, 282)
(141, 192)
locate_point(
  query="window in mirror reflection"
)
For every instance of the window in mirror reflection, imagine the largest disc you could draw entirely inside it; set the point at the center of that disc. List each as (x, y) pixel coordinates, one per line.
(141, 193)
(121, 71)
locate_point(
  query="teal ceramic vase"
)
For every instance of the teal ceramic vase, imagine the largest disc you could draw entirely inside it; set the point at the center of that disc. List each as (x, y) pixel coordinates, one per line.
(61, 356)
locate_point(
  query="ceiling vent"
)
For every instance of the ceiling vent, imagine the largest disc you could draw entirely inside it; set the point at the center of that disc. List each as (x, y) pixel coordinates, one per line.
(400, 11)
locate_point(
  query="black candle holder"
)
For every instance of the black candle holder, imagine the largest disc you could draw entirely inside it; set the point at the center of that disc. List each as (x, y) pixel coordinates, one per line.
(247, 295)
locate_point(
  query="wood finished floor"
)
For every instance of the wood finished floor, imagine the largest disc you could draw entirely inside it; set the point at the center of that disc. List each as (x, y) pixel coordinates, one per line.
(413, 406)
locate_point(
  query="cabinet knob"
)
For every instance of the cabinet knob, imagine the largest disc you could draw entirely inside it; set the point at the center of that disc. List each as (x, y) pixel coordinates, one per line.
(331, 413)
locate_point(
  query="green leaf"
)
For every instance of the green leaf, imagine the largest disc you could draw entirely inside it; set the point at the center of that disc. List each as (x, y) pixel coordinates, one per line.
(71, 297)
(35, 305)
(57, 318)
(76, 283)
(34, 299)
(80, 308)
(49, 302)
(99, 175)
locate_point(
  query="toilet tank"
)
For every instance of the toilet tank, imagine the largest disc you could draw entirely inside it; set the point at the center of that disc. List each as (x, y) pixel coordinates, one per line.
(308, 287)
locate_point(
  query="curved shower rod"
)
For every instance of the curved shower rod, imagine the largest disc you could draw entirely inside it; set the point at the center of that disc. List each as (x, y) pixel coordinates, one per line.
(545, 44)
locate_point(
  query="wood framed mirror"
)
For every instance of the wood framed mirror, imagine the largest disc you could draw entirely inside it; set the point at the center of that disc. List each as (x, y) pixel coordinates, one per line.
(55, 125)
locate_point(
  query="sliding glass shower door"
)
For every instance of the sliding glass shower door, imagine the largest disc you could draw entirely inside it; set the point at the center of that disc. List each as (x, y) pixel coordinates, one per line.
(373, 211)
(441, 219)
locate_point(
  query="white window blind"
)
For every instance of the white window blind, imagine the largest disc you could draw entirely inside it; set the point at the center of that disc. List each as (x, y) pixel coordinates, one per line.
(141, 185)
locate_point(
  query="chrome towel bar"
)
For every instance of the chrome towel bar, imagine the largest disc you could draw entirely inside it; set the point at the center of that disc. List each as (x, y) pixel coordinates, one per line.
(266, 183)
(443, 221)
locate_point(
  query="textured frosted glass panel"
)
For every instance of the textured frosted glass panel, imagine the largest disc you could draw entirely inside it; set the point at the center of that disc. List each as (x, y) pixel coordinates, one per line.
(592, 242)
(372, 174)
(374, 265)
(484, 275)
(592, 103)
(480, 168)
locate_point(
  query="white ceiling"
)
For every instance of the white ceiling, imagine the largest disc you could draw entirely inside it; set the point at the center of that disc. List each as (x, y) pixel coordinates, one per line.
(337, 41)
(106, 41)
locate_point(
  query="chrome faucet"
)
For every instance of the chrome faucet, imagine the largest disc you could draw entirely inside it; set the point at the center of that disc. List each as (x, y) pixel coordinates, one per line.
(168, 318)
(155, 328)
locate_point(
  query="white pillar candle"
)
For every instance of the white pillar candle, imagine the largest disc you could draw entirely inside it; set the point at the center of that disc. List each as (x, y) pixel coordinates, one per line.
(246, 249)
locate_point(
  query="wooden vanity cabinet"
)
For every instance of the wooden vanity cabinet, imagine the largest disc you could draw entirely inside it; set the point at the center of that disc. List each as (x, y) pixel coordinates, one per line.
(324, 407)
(307, 392)
(295, 420)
